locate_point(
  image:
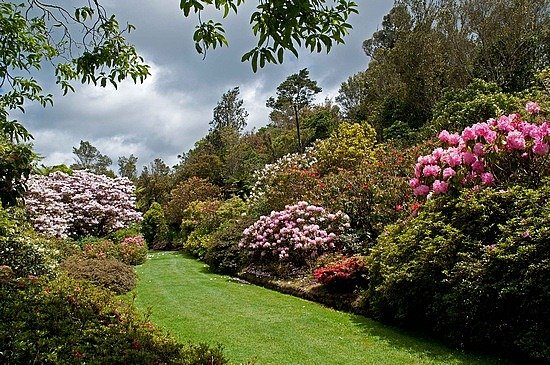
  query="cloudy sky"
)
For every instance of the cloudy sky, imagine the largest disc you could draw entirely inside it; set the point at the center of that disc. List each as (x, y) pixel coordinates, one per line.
(165, 115)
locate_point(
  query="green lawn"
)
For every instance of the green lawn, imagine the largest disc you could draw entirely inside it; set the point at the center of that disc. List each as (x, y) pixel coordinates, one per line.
(255, 323)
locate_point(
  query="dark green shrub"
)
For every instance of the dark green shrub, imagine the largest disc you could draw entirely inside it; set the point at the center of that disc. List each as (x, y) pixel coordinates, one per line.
(474, 268)
(223, 254)
(108, 273)
(16, 161)
(73, 322)
(154, 227)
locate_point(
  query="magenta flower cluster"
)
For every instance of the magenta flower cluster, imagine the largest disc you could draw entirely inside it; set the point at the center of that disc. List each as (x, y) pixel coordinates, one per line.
(80, 204)
(467, 157)
(298, 232)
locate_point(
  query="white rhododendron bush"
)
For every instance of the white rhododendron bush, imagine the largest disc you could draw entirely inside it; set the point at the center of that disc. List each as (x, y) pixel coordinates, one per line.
(80, 204)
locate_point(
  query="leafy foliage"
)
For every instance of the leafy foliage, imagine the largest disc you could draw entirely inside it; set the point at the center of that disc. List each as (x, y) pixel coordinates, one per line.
(70, 321)
(20, 250)
(230, 112)
(154, 227)
(279, 26)
(473, 268)
(186, 192)
(37, 33)
(108, 273)
(15, 167)
(153, 185)
(349, 145)
(202, 219)
(293, 94)
(127, 167)
(89, 158)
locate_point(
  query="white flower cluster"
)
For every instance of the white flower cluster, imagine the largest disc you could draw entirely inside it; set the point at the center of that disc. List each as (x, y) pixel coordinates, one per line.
(80, 204)
(290, 161)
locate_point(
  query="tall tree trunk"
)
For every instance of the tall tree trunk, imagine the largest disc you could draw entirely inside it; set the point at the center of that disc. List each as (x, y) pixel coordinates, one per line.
(297, 128)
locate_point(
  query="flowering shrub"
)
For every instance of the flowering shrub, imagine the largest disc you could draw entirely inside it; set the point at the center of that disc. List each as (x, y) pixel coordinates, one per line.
(133, 250)
(80, 204)
(483, 154)
(294, 235)
(68, 321)
(473, 268)
(345, 271)
(290, 162)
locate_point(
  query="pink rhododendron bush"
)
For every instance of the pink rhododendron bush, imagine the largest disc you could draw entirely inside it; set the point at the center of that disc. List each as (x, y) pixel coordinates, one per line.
(472, 264)
(501, 150)
(80, 204)
(294, 235)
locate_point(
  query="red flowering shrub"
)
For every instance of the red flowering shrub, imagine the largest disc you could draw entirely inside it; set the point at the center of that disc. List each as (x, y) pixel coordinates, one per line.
(349, 270)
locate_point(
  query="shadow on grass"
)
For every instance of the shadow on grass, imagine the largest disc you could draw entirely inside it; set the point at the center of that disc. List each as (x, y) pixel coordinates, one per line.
(420, 343)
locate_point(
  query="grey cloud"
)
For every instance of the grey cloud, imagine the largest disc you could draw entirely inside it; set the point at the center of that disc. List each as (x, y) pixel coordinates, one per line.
(171, 110)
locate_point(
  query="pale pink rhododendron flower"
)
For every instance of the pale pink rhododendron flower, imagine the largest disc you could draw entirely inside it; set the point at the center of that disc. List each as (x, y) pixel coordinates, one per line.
(421, 190)
(440, 187)
(487, 178)
(447, 173)
(301, 230)
(532, 107)
(80, 204)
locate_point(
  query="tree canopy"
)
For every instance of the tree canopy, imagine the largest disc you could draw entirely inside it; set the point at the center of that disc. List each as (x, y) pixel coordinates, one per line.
(89, 158)
(293, 94)
(85, 44)
(230, 112)
(278, 25)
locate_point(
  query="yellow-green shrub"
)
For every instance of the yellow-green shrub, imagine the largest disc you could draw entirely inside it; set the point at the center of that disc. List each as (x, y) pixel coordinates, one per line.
(346, 147)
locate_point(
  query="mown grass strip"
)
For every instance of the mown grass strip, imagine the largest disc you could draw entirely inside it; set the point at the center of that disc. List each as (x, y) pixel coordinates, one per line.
(256, 323)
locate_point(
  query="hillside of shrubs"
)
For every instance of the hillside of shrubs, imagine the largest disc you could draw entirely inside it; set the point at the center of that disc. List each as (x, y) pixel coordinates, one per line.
(446, 234)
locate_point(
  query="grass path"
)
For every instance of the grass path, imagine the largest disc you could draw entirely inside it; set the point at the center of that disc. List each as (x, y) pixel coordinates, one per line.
(255, 323)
